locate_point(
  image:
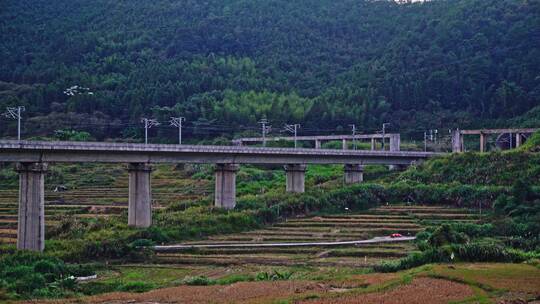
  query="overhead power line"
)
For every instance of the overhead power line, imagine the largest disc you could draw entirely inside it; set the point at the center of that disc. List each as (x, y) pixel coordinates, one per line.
(148, 123)
(177, 122)
(293, 129)
(265, 129)
(15, 113)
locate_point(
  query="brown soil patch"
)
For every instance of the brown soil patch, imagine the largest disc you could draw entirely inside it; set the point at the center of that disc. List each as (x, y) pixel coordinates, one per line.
(511, 277)
(242, 292)
(421, 290)
(362, 280)
(377, 278)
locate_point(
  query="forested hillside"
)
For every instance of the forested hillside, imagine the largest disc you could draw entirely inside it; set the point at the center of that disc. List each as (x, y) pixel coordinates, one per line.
(224, 64)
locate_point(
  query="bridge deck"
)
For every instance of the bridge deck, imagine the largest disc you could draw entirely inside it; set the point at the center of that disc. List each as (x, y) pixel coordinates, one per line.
(54, 151)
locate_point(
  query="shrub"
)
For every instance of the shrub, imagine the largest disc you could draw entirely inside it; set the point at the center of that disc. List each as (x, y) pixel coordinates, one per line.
(28, 274)
(444, 235)
(136, 287)
(275, 275)
(234, 278)
(26, 283)
(142, 243)
(198, 281)
(152, 234)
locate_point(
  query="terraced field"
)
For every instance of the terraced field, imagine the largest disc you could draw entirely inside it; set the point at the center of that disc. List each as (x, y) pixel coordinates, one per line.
(108, 197)
(406, 220)
(98, 198)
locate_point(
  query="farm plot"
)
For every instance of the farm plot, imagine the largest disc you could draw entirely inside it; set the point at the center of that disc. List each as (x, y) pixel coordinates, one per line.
(378, 222)
(458, 283)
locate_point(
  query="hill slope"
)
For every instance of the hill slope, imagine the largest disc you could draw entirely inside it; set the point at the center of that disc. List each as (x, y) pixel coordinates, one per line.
(321, 63)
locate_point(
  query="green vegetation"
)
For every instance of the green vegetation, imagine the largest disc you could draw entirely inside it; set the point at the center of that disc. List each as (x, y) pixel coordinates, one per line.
(512, 236)
(71, 135)
(532, 144)
(226, 64)
(32, 275)
(275, 275)
(494, 169)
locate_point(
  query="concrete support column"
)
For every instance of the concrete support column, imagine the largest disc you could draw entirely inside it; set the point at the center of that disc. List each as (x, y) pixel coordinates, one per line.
(31, 226)
(483, 142)
(225, 193)
(344, 144)
(353, 174)
(140, 195)
(395, 146)
(395, 142)
(296, 178)
(518, 140)
(317, 144)
(372, 144)
(457, 141)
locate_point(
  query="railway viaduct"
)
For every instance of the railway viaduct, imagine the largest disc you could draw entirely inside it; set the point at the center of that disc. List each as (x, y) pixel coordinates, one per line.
(32, 159)
(393, 138)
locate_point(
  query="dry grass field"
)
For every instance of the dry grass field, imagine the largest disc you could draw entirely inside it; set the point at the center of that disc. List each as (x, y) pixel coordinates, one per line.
(428, 284)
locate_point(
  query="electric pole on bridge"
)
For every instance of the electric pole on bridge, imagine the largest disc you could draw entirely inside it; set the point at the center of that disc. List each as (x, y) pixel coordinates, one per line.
(265, 129)
(425, 141)
(177, 122)
(384, 126)
(293, 129)
(353, 126)
(15, 113)
(148, 123)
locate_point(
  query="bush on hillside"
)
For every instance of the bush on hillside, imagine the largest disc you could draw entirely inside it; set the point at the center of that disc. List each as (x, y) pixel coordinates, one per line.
(444, 235)
(27, 275)
(494, 169)
(474, 252)
(470, 196)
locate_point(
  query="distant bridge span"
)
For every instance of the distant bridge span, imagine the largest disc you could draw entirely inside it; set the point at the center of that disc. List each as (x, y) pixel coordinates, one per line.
(33, 157)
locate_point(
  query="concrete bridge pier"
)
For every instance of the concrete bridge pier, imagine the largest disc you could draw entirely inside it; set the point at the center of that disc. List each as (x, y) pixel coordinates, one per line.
(344, 144)
(457, 141)
(395, 142)
(518, 140)
(353, 174)
(395, 146)
(225, 192)
(317, 144)
(31, 226)
(483, 142)
(140, 195)
(296, 178)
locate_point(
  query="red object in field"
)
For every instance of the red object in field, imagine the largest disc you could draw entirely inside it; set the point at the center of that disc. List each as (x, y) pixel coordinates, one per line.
(396, 235)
